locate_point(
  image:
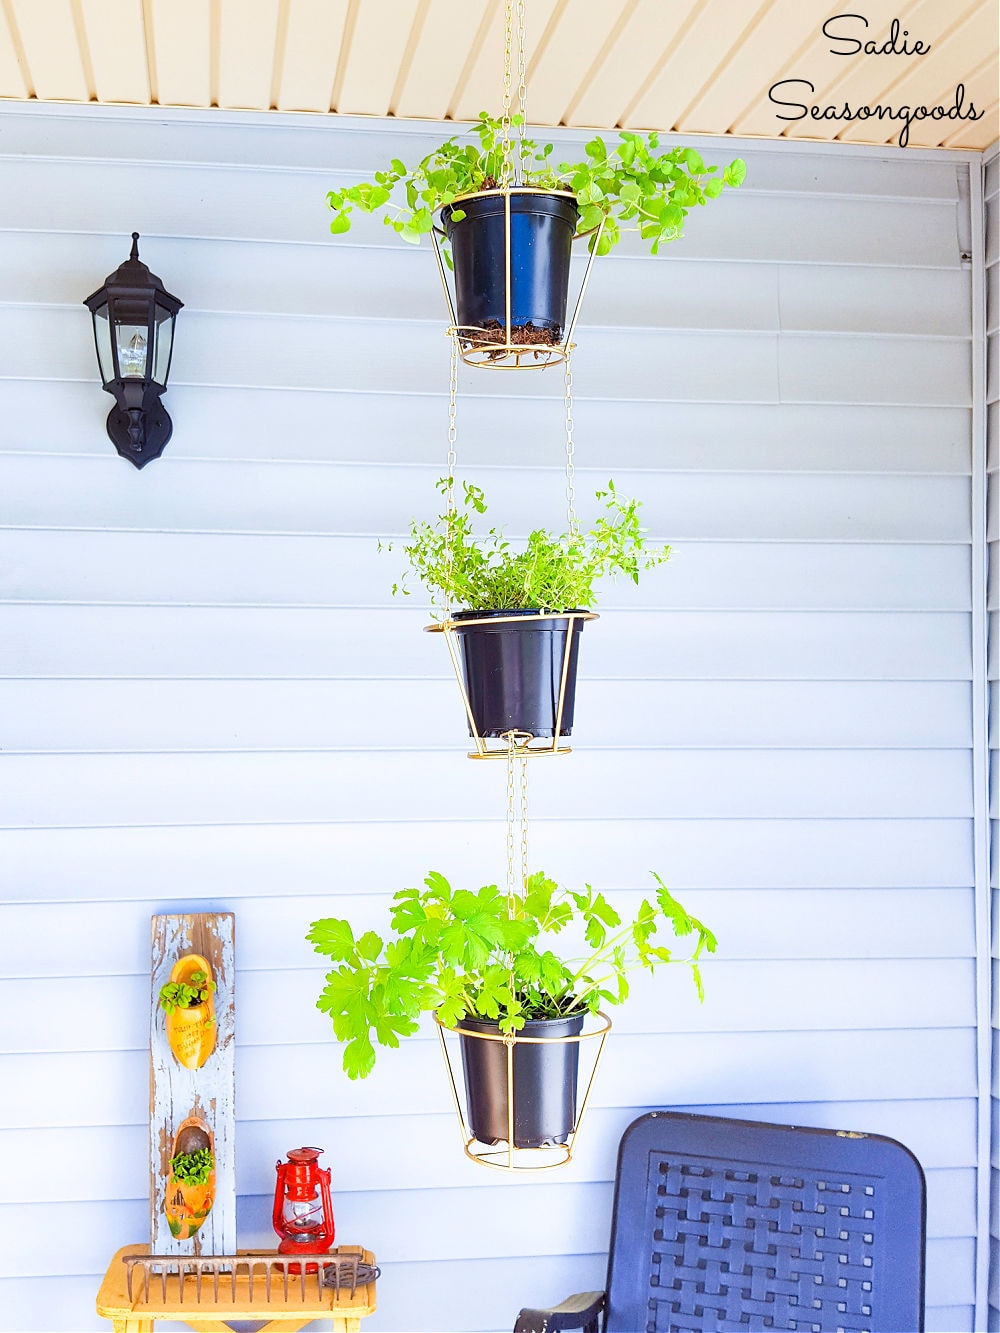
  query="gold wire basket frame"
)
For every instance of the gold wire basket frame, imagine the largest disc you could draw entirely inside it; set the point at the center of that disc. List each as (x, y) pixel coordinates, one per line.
(522, 740)
(476, 349)
(508, 1157)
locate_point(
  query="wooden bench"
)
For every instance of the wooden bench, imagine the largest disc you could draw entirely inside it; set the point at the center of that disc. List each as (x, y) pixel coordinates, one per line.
(253, 1291)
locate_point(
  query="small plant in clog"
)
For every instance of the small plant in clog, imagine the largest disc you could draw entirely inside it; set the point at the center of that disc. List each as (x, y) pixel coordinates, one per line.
(187, 1000)
(190, 1190)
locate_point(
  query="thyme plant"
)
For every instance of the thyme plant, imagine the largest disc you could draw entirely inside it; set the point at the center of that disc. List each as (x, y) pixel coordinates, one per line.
(553, 571)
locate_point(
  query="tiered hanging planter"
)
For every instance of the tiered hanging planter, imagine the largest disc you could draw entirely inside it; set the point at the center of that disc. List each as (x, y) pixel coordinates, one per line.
(523, 1024)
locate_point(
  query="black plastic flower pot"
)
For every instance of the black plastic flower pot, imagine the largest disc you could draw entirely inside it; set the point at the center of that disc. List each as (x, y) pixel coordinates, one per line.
(545, 1079)
(513, 670)
(541, 234)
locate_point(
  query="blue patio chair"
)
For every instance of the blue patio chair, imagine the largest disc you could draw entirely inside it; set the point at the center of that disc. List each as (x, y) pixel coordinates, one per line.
(730, 1226)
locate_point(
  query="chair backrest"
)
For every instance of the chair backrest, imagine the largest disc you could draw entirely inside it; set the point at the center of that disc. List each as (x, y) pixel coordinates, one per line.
(724, 1225)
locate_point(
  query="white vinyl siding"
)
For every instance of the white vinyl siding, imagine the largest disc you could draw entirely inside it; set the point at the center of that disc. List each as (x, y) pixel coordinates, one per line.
(209, 699)
(992, 239)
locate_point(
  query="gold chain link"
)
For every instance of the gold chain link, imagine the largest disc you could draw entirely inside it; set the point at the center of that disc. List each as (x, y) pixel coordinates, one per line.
(517, 814)
(522, 90)
(505, 144)
(511, 821)
(574, 526)
(452, 459)
(524, 820)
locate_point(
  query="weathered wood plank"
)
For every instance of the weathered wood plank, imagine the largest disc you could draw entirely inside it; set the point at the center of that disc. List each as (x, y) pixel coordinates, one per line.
(207, 1092)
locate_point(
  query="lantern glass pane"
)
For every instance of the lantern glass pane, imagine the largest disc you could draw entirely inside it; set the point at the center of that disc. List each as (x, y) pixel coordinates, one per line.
(132, 350)
(164, 334)
(102, 336)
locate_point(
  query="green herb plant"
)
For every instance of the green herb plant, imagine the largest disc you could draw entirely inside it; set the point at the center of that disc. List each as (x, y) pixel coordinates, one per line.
(552, 572)
(632, 185)
(193, 1168)
(186, 995)
(487, 954)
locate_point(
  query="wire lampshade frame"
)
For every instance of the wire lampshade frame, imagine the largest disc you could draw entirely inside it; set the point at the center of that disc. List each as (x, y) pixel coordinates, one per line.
(487, 348)
(506, 1156)
(524, 743)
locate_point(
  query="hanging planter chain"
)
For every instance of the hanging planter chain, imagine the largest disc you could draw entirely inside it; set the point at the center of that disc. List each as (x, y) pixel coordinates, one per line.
(452, 460)
(508, 29)
(574, 526)
(517, 816)
(511, 170)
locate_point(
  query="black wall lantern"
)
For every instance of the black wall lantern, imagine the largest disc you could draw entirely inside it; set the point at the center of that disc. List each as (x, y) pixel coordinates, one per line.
(134, 330)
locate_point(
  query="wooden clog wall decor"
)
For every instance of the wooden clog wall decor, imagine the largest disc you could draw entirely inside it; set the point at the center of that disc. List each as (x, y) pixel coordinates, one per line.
(192, 1111)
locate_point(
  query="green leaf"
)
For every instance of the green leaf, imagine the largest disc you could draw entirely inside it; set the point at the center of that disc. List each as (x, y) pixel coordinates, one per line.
(590, 217)
(671, 217)
(735, 174)
(370, 945)
(359, 1057)
(333, 937)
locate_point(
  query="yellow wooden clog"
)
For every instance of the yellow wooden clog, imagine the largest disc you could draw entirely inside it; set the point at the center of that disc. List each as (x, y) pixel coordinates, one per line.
(190, 1190)
(190, 1027)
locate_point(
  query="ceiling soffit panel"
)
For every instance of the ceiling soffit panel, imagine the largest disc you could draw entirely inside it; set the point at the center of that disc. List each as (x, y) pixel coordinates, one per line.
(311, 39)
(115, 35)
(185, 35)
(55, 48)
(684, 66)
(248, 35)
(427, 84)
(692, 62)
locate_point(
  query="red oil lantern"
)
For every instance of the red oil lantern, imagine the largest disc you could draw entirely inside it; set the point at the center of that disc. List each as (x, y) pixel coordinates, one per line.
(303, 1213)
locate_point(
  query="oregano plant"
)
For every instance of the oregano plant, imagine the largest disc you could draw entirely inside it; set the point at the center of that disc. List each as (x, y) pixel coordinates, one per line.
(635, 184)
(489, 954)
(484, 571)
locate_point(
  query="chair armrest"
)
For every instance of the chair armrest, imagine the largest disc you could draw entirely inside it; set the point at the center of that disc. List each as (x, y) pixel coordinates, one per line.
(579, 1311)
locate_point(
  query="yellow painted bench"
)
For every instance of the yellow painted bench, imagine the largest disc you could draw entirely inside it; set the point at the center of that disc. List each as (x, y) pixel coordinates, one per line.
(207, 1306)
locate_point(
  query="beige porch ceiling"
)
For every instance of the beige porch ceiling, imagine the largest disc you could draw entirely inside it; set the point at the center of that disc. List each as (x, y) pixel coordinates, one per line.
(690, 66)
